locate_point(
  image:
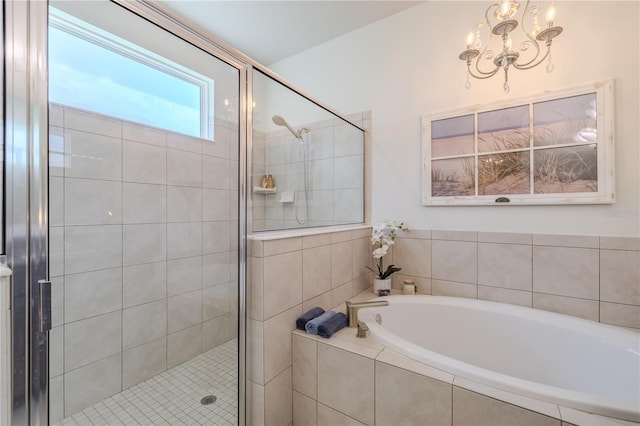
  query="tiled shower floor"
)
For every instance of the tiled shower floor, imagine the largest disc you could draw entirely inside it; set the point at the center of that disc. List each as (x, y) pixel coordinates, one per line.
(173, 397)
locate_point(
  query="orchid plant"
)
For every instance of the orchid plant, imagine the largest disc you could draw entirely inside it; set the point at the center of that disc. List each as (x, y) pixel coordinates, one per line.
(383, 236)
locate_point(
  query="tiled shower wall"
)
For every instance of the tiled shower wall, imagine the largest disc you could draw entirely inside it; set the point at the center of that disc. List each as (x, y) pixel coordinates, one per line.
(335, 175)
(286, 278)
(592, 277)
(143, 248)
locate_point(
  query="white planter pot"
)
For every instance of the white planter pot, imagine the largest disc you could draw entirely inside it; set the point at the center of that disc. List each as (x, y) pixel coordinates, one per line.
(381, 285)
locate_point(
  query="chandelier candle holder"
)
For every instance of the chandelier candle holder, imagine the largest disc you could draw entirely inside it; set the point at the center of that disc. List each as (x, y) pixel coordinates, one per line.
(506, 21)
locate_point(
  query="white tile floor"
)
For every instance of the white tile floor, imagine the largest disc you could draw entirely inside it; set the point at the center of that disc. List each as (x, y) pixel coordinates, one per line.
(173, 397)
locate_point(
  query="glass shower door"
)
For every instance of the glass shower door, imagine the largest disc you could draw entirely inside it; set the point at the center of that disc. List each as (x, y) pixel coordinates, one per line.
(144, 143)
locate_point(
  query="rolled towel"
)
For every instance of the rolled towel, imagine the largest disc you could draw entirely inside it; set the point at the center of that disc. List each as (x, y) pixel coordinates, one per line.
(308, 316)
(312, 326)
(332, 325)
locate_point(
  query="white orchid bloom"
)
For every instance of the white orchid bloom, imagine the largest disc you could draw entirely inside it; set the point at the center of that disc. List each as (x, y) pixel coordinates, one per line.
(379, 252)
(379, 228)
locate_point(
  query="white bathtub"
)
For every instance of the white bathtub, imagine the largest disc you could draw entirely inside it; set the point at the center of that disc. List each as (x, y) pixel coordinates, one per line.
(568, 361)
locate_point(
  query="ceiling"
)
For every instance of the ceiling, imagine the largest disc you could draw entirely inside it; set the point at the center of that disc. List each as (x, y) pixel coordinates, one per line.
(269, 31)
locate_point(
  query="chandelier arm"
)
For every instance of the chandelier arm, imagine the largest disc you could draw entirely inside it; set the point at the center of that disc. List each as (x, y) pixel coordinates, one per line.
(483, 75)
(529, 65)
(531, 41)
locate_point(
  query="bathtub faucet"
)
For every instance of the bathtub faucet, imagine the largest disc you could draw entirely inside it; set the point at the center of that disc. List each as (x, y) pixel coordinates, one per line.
(352, 309)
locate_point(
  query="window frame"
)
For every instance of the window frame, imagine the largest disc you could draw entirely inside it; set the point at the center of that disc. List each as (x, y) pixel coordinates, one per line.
(91, 34)
(604, 142)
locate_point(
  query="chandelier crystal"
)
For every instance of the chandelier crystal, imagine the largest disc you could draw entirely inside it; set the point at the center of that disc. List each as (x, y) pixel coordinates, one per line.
(502, 54)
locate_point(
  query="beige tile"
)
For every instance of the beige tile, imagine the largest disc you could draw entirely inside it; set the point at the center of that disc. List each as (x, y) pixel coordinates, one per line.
(342, 236)
(255, 351)
(563, 271)
(620, 243)
(143, 362)
(348, 205)
(184, 204)
(505, 265)
(217, 236)
(346, 383)
(360, 284)
(400, 397)
(184, 275)
(278, 400)
(341, 263)
(316, 271)
(505, 238)
(56, 399)
(413, 256)
(216, 173)
(144, 203)
(571, 417)
(284, 245)
(255, 282)
(92, 293)
(144, 134)
(256, 247)
(90, 248)
(218, 268)
(305, 365)
(423, 284)
(361, 233)
(216, 301)
(310, 241)
(184, 345)
(454, 235)
(470, 408)
(255, 399)
(216, 204)
(144, 163)
(362, 250)
(542, 407)
(92, 339)
(277, 342)
(620, 276)
(184, 240)
(184, 311)
(622, 315)
(184, 168)
(454, 289)
(56, 201)
(219, 330)
(323, 301)
(144, 323)
(80, 390)
(185, 143)
(57, 301)
(282, 282)
(92, 122)
(505, 295)
(582, 308)
(92, 156)
(454, 261)
(341, 294)
(327, 416)
(144, 243)
(92, 202)
(56, 351)
(580, 241)
(56, 114)
(421, 234)
(144, 283)
(304, 410)
(393, 358)
(56, 251)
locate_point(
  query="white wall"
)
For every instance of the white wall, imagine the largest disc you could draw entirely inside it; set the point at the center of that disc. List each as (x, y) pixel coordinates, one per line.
(407, 65)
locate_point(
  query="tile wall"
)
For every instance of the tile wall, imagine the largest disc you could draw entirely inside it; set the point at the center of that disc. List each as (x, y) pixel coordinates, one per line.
(597, 278)
(143, 251)
(335, 175)
(349, 381)
(286, 278)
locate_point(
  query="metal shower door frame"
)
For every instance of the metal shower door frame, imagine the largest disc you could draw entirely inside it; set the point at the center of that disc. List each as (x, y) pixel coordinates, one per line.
(26, 200)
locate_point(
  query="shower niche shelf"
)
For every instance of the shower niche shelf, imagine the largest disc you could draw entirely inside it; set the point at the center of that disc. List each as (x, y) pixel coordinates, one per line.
(261, 190)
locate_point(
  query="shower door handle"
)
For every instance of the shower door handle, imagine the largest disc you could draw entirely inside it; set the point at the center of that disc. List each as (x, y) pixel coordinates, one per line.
(44, 305)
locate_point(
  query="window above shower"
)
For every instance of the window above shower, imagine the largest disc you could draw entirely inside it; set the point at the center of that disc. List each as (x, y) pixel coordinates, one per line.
(307, 164)
(96, 71)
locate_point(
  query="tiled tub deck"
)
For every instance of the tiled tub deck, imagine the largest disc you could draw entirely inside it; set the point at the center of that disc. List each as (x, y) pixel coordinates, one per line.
(349, 381)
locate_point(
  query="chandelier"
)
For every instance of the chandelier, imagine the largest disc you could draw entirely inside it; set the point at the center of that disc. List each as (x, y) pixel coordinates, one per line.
(506, 21)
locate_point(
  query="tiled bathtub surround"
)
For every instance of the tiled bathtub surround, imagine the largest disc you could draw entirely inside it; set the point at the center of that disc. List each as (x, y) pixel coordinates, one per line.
(286, 278)
(596, 278)
(335, 174)
(350, 381)
(143, 251)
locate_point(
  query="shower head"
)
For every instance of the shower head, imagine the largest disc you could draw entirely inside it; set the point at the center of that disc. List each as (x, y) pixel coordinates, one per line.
(278, 120)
